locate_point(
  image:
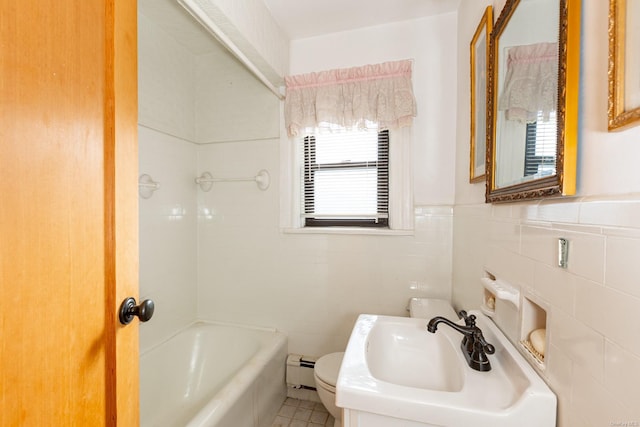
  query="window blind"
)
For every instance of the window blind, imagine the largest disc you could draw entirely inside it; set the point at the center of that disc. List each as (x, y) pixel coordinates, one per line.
(346, 178)
(541, 146)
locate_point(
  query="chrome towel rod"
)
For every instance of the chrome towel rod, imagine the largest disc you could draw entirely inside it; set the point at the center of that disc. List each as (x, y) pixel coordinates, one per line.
(206, 180)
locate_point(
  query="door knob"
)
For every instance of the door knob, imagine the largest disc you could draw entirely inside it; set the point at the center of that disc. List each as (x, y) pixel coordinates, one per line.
(129, 309)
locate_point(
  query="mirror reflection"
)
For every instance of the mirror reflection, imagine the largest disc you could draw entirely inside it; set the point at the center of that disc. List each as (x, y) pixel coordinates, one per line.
(527, 94)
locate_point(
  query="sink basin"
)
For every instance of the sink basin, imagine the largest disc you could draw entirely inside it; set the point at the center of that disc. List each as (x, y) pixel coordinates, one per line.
(402, 353)
(394, 372)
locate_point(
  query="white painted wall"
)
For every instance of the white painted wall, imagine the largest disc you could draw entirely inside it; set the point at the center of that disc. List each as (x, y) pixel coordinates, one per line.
(593, 359)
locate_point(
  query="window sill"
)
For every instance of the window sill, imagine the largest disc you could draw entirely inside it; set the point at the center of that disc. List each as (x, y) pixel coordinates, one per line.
(348, 230)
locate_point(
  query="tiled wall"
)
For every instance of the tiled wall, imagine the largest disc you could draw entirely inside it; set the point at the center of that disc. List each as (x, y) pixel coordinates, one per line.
(249, 25)
(168, 221)
(166, 82)
(230, 103)
(185, 97)
(312, 286)
(593, 358)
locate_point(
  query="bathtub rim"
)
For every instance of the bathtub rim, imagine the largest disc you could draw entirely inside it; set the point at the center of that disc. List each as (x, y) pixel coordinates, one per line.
(209, 322)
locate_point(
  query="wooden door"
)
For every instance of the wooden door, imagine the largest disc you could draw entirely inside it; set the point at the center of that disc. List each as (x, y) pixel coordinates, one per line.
(68, 212)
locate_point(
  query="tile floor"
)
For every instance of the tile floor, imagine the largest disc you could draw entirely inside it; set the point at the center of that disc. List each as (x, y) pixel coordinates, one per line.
(302, 413)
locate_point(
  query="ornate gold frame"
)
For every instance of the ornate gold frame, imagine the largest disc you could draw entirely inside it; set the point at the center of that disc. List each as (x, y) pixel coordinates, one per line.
(564, 181)
(484, 27)
(618, 117)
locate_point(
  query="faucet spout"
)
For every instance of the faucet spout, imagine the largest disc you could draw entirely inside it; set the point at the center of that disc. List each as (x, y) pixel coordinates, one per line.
(432, 326)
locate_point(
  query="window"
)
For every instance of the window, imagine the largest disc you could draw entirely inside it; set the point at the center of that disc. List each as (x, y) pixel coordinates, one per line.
(540, 149)
(345, 178)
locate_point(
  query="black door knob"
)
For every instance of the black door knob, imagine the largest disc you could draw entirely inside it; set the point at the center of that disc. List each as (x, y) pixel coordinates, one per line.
(129, 309)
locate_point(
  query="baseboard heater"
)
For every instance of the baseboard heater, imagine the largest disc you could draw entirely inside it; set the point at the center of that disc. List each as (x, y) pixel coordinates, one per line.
(300, 371)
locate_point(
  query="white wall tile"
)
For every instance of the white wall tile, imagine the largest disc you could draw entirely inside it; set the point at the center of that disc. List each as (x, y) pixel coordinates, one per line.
(515, 269)
(167, 234)
(593, 404)
(620, 211)
(559, 375)
(166, 82)
(505, 234)
(539, 243)
(583, 345)
(556, 285)
(622, 376)
(306, 285)
(586, 252)
(622, 266)
(231, 104)
(555, 210)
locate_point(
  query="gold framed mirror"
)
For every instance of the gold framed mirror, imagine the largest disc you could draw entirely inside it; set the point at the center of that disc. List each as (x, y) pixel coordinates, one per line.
(532, 106)
(479, 69)
(624, 69)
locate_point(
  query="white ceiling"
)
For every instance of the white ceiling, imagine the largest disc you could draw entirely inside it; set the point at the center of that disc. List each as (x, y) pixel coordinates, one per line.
(308, 18)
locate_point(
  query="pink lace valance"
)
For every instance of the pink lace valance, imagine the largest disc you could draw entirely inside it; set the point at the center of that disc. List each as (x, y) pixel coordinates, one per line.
(530, 83)
(380, 93)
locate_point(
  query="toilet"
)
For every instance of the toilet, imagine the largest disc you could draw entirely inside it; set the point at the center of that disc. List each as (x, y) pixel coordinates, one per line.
(325, 372)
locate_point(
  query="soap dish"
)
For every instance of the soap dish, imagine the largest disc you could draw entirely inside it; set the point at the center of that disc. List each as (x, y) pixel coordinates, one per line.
(502, 290)
(533, 353)
(488, 306)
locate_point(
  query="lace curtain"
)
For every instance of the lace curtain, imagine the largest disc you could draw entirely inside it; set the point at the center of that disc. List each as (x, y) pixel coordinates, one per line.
(531, 82)
(351, 97)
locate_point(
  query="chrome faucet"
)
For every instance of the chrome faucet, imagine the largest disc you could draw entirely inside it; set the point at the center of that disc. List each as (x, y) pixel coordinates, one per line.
(474, 347)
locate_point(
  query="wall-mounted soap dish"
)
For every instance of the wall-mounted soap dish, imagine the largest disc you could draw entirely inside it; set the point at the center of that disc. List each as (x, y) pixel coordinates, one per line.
(499, 289)
(533, 334)
(488, 306)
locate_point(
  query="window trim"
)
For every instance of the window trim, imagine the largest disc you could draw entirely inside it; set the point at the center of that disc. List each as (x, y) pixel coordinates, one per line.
(401, 207)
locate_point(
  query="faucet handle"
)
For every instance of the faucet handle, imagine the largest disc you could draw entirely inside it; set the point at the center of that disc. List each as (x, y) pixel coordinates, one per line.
(468, 320)
(486, 347)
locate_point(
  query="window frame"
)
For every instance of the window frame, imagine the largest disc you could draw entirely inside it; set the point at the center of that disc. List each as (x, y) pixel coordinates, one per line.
(383, 185)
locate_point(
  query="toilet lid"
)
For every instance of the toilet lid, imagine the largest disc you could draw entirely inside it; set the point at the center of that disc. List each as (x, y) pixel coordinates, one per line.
(328, 367)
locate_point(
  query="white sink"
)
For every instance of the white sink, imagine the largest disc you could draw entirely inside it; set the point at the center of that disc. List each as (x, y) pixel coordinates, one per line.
(394, 372)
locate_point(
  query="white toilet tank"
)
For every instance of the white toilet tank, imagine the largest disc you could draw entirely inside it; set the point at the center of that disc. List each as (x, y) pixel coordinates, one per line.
(426, 308)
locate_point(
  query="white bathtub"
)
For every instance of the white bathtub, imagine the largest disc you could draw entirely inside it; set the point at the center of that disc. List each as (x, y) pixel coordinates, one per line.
(212, 374)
